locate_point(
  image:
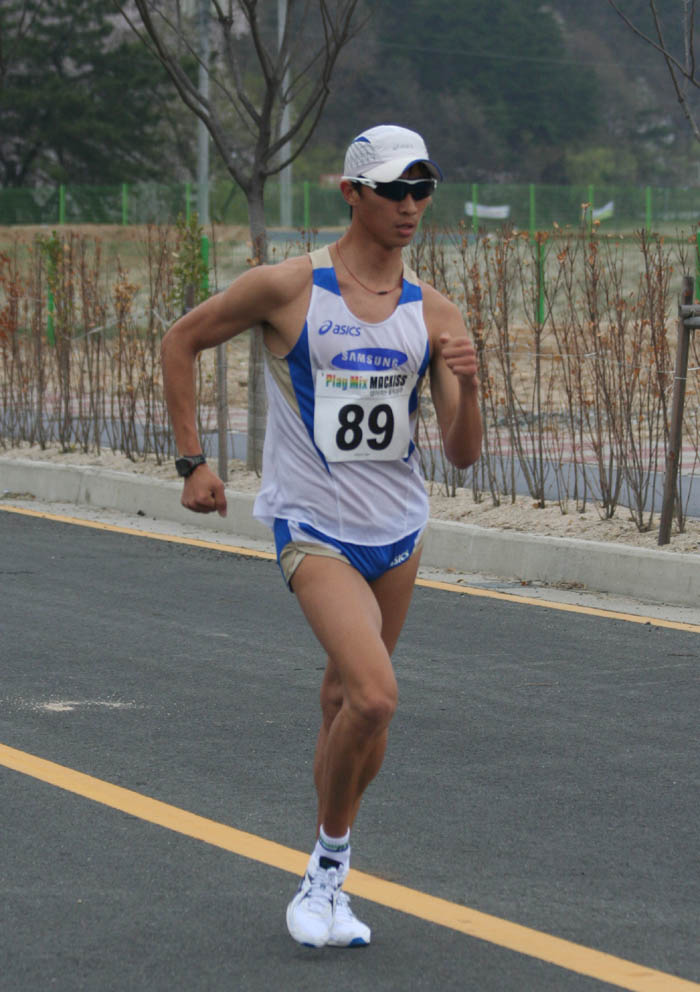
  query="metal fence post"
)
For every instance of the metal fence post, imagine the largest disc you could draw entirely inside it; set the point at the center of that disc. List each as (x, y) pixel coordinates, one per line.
(51, 282)
(688, 319)
(647, 208)
(541, 258)
(204, 252)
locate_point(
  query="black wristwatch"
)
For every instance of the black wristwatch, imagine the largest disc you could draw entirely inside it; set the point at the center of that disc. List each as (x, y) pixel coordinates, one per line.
(186, 464)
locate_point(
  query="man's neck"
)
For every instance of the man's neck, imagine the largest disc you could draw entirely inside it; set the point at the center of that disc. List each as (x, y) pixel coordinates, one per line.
(377, 269)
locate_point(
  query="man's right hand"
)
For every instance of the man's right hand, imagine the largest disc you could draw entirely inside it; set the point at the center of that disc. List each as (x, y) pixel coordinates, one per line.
(203, 492)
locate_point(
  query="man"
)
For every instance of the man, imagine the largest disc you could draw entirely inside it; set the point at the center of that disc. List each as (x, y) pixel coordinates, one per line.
(348, 334)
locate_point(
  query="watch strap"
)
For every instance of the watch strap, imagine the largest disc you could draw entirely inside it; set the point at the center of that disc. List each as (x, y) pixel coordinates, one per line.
(186, 464)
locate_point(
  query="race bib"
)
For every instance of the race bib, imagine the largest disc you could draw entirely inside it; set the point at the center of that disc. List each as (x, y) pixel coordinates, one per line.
(363, 416)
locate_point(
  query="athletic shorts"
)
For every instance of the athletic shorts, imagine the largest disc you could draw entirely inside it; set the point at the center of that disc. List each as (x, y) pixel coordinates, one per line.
(294, 541)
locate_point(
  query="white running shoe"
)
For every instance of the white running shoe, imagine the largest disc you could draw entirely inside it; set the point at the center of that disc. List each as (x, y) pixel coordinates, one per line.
(310, 913)
(347, 930)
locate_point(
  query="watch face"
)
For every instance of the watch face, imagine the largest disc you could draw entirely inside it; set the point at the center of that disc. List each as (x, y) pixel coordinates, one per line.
(186, 464)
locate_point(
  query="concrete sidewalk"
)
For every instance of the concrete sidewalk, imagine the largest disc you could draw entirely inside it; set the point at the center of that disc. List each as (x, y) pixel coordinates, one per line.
(648, 576)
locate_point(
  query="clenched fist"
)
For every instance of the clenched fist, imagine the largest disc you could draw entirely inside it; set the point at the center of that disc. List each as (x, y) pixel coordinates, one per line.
(203, 492)
(460, 357)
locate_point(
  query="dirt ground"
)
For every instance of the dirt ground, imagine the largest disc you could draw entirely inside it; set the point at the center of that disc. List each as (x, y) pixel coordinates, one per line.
(522, 515)
(118, 234)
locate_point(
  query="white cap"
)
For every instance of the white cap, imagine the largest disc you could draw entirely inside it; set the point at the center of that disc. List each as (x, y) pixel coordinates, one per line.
(382, 153)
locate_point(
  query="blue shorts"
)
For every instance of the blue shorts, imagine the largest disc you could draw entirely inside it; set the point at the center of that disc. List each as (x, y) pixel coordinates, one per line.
(294, 541)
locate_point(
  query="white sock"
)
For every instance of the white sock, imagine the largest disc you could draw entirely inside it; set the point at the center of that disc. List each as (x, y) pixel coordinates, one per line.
(334, 848)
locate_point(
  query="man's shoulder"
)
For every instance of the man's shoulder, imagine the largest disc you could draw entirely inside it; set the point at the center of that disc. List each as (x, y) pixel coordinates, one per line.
(288, 279)
(437, 307)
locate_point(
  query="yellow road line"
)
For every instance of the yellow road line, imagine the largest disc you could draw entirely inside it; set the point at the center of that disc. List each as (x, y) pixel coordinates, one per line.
(533, 943)
(507, 597)
(594, 611)
(135, 532)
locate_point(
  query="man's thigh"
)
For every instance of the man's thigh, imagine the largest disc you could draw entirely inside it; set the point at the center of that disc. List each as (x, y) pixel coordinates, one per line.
(352, 619)
(344, 614)
(393, 591)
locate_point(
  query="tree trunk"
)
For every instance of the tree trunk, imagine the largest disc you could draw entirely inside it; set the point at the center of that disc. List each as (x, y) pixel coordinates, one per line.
(257, 402)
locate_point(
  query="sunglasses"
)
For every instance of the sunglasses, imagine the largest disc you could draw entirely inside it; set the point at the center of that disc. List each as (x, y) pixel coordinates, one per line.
(399, 189)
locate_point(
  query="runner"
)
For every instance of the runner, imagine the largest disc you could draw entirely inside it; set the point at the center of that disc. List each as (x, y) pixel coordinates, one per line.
(348, 332)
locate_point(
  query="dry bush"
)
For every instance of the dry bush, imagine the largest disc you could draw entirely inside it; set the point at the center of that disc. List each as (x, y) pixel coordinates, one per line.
(575, 336)
(574, 332)
(80, 349)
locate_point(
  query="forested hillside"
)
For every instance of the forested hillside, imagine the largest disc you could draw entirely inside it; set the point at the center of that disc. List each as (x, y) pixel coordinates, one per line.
(79, 100)
(517, 89)
(505, 90)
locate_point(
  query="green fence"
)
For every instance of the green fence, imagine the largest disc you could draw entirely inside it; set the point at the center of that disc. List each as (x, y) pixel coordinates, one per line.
(483, 205)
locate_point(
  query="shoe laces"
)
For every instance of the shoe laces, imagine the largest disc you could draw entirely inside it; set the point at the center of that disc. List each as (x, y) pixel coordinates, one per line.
(342, 904)
(323, 887)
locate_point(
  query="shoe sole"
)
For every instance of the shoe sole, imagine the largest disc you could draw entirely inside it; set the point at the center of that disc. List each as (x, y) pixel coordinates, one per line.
(355, 942)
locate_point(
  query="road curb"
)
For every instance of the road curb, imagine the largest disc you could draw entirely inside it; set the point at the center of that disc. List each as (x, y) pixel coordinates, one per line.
(651, 576)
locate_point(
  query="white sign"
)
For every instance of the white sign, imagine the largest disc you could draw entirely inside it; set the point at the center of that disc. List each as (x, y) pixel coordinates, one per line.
(487, 213)
(363, 416)
(602, 213)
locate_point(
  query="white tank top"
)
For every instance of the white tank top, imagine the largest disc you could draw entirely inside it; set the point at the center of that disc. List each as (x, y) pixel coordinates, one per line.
(342, 407)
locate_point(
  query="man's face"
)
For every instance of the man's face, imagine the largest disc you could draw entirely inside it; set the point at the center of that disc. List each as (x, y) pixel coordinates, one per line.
(392, 223)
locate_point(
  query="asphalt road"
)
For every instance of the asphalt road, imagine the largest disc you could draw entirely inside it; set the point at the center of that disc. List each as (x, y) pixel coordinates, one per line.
(542, 767)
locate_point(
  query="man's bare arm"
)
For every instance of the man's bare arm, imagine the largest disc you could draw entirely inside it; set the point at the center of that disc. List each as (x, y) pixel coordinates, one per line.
(260, 295)
(454, 383)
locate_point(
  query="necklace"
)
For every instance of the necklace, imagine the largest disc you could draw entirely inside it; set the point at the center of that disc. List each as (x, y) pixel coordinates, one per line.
(375, 292)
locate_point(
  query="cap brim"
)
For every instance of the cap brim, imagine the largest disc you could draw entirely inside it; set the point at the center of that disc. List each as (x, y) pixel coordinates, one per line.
(388, 171)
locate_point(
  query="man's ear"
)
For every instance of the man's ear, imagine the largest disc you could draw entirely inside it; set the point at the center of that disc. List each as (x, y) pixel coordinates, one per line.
(351, 194)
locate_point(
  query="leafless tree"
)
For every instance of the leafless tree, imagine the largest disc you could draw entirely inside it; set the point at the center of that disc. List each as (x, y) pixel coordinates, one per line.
(681, 66)
(256, 71)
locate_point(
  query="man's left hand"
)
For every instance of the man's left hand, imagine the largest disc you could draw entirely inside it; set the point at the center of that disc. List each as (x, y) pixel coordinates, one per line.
(460, 357)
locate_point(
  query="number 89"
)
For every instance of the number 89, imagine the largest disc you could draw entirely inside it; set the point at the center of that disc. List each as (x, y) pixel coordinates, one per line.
(380, 423)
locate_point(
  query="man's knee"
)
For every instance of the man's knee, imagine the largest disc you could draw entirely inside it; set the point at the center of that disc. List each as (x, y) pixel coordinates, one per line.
(373, 708)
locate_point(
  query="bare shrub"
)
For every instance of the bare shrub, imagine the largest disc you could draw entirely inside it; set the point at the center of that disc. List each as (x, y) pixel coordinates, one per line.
(571, 330)
(80, 348)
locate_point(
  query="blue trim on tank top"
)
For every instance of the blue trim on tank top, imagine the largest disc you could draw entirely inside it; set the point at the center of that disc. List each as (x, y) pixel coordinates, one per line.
(410, 293)
(299, 362)
(413, 398)
(327, 279)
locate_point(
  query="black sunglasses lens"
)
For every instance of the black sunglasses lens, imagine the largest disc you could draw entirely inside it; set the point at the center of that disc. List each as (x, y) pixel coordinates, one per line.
(399, 189)
(423, 190)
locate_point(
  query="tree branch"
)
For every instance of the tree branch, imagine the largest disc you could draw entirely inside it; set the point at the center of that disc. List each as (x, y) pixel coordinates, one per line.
(336, 36)
(675, 68)
(225, 22)
(251, 161)
(650, 41)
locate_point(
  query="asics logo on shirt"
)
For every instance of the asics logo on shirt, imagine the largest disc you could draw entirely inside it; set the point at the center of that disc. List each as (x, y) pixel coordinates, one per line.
(351, 330)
